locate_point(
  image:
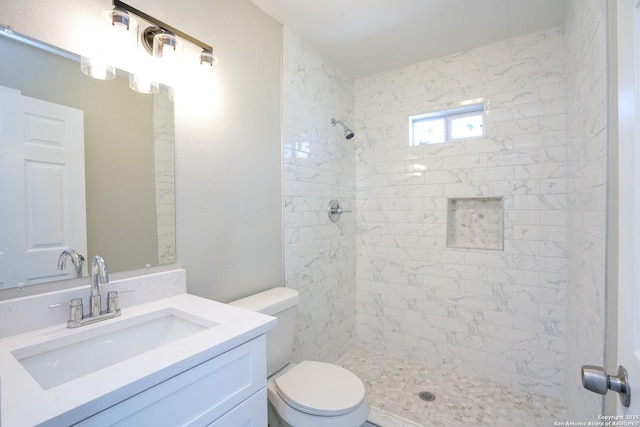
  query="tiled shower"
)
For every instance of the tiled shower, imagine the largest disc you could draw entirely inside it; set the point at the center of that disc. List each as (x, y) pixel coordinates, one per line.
(388, 277)
(495, 313)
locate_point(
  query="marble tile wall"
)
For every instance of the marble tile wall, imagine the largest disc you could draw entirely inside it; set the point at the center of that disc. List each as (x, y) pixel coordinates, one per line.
(319, 165)
(586, 35)
(164, 166)
(494, 314)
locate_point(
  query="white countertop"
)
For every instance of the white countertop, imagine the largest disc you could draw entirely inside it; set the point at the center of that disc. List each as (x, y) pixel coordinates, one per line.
(25, 403)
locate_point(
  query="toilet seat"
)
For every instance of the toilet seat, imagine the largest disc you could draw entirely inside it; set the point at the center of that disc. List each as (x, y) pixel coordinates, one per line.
(321, 389)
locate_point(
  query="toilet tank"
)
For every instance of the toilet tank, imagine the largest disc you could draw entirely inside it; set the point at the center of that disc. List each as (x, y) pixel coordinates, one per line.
(280, 303)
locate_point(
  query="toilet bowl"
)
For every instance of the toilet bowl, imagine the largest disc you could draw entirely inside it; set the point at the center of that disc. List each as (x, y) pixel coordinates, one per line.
(307, 394)
(316, 394)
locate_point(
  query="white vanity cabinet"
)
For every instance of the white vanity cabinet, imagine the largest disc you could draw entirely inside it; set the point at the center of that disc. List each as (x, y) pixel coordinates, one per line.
(227, 390)
(169, 361)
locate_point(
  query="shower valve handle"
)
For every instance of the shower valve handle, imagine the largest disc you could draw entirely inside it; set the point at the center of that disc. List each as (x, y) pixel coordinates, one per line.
(335, 210)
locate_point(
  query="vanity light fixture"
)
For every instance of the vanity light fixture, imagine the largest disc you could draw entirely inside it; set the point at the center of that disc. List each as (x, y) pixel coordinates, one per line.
(161, 41)
(164, 41)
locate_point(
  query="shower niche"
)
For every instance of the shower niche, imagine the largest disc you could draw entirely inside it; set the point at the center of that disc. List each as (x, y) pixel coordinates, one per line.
(475, 223)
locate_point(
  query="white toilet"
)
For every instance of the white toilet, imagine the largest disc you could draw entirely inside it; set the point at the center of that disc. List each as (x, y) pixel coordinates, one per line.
(307, 394)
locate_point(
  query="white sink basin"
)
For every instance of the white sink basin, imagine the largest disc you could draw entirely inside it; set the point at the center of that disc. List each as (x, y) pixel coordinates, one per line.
(55, 362)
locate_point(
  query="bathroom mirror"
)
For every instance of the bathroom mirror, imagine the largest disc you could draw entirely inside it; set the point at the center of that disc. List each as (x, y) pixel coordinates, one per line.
(127, 191)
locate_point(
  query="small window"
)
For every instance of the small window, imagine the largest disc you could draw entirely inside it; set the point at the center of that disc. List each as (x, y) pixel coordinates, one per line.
(449, 125)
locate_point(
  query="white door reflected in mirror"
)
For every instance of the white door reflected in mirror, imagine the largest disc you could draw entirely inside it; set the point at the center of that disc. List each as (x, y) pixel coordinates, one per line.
(42, 211)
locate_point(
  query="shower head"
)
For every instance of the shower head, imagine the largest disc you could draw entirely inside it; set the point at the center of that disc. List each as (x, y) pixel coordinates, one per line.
(348, 133)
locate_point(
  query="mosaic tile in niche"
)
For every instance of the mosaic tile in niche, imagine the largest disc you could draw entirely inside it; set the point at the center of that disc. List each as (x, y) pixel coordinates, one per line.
(475, 223)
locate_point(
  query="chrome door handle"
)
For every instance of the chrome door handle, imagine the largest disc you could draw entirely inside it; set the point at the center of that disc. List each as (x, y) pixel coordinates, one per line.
(595, 379)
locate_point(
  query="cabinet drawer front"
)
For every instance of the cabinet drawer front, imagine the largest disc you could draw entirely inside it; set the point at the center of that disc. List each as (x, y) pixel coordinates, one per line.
(197, 396)
(250, 413)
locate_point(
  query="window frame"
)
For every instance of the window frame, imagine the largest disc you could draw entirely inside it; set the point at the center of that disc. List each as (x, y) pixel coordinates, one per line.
(477, 108)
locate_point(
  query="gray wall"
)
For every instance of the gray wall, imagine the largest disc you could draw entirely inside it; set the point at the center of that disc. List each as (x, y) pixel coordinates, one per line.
(228, 165)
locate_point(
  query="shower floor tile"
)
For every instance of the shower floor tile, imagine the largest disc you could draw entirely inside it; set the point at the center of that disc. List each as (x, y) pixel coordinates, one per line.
(393, 385)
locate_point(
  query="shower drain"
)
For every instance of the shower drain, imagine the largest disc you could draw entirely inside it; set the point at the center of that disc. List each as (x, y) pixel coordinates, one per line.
(427, 396)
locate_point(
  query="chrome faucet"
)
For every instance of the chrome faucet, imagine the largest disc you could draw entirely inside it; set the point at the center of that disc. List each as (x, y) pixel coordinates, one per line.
(99, 276)
(76, 259)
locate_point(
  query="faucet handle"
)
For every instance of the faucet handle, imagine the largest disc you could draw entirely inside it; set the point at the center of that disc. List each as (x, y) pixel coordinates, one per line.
(76, 310)
(112, 302)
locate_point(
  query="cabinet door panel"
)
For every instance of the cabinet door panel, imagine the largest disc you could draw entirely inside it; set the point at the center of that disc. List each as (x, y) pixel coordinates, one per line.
(250, 413)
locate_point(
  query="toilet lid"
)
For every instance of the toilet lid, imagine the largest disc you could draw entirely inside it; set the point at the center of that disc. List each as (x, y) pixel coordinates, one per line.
(318, 388)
